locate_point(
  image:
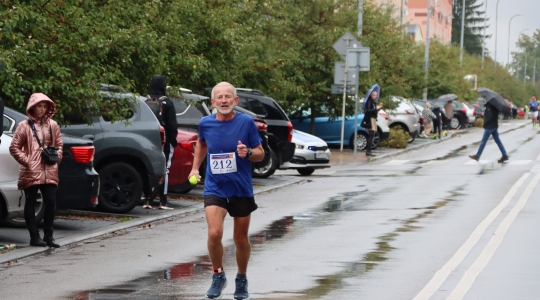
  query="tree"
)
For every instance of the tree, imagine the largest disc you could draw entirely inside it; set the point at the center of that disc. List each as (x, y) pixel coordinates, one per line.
(474, 25)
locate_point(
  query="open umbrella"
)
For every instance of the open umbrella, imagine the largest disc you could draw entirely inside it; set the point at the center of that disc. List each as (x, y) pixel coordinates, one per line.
(494, 99)
(374, 88)
(448, 97)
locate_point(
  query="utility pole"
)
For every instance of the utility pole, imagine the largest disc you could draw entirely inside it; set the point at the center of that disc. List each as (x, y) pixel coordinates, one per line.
(484, 37)
(462, 33)
(426, 52)
(525, 70)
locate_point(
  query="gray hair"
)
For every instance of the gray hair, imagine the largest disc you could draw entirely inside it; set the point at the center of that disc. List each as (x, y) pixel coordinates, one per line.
(435, 104)
(428, 105)
(224, 83)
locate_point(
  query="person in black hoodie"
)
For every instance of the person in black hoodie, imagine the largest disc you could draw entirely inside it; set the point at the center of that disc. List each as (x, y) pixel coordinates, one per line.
(437, 126)
(370, 114)
(158, 87)
(491, 124)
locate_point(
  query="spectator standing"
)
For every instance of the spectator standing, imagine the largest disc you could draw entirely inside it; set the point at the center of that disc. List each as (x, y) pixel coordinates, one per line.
(230, 141)
(428, 118)
(449, 112)
(370, 109)
(533, 105)
(167, 119)
(437, 124)
(34, 173)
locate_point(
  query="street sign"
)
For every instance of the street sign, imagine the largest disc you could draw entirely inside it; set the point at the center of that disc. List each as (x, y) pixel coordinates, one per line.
(338, 89)
(358, 57)
(344, 42)
(339, 74)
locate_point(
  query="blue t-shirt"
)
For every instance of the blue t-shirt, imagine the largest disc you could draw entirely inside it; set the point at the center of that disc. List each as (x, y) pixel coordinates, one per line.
(534, 106)
(222, 138)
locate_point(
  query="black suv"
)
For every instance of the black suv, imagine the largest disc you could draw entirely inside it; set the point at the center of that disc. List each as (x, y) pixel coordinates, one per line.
(279, 128)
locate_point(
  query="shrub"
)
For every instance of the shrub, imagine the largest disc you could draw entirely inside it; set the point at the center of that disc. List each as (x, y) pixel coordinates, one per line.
(520, 117)
(397, 140)
(479, 123)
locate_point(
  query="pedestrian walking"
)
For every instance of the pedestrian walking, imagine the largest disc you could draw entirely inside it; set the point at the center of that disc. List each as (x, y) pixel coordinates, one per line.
(165, 112)
(429, 116)
(31, 137)
(370, 109)
(491, 125)
(533, 105)
(437, 124)
(230, 142)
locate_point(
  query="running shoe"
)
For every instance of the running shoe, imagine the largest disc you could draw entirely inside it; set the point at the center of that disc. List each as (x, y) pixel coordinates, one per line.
(147, 206)
(241, 292)
(219, 282)
(165, 207)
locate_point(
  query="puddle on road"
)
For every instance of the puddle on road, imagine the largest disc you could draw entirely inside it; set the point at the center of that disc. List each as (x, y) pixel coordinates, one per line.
(187, 273)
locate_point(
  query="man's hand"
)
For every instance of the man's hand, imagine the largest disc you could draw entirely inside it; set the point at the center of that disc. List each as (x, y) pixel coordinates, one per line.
(242, 150)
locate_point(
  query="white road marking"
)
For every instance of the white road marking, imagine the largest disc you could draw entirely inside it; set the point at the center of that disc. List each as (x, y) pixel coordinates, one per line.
(471, 274)
(435, 163)
(395, 162)
(535, 169)
(518, 162)
(474, 162)
(441, 275)
(538, 158)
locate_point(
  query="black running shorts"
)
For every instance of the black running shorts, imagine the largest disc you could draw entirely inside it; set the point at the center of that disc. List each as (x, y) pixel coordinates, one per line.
(236, 206)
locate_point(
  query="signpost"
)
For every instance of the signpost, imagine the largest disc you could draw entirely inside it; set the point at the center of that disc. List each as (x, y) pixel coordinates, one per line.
(357, 58)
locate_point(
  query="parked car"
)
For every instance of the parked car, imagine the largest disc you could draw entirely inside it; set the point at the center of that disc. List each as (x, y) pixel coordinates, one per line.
(470, 111)
(311, 153)
(78, 180)
(190, 108)
(279, 128)
(129, 156)
(328, 127)
(404, 116)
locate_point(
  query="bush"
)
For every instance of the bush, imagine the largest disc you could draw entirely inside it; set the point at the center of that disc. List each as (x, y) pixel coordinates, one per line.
(397, 140)
(479, 123)
(520, 117)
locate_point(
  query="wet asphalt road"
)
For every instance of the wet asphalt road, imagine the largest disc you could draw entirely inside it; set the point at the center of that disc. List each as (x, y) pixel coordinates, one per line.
(428, 224)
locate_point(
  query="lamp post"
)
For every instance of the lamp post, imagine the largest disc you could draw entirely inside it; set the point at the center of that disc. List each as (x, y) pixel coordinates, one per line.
(484, 37)
(496, 25)
(509, 43)
(509, 24)
(426, 52)
(462, 32)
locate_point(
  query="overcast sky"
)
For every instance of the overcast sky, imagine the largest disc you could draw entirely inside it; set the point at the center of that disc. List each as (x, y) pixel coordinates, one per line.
(530, 19)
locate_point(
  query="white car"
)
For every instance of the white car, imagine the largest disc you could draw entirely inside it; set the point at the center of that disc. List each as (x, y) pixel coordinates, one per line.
(311, 153)
(11, 209)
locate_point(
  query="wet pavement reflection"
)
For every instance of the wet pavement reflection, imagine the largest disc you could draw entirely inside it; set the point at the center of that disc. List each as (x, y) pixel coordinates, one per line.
(177, 281)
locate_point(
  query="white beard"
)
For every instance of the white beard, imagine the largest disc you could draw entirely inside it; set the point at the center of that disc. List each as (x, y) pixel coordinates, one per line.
(224, 111)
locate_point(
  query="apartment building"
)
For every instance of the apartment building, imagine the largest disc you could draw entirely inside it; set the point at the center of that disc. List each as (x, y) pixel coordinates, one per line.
(440, 26)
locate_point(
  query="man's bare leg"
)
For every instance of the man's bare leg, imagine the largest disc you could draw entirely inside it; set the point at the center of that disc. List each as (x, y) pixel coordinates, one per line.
(215, 217)
(241, 240)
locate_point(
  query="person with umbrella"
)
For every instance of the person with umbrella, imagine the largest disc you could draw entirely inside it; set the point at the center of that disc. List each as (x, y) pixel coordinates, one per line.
(494, 104)
(448, 107)
(370, 109)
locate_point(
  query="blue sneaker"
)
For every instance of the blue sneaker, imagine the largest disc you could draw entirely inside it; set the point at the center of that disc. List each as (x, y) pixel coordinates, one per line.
(219, 282)
(241, 292)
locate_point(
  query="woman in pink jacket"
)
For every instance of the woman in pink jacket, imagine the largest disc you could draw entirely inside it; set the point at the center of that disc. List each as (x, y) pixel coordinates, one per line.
(34, 172)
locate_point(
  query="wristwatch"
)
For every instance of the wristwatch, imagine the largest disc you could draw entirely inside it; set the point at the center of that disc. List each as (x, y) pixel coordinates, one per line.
(249, 153)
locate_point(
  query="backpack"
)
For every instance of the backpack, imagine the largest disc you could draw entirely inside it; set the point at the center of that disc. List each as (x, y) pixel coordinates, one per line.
(155, 106)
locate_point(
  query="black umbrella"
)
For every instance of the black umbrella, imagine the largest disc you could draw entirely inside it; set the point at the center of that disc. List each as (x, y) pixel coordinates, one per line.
(494, 99)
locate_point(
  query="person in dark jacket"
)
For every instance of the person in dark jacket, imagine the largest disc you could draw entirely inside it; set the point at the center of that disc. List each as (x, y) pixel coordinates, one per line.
(158, 87)
(34, 173)
(437, 124)
(370, 112)
(491, 125)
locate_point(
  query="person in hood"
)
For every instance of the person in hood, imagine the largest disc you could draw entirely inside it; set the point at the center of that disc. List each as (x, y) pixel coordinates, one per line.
(437, 124)
(34, 173)
(370, 113)
(491, 125)
(158, 87)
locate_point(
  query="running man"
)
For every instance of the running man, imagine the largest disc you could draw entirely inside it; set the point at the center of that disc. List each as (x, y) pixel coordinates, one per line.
(533, 105)
(230, 141)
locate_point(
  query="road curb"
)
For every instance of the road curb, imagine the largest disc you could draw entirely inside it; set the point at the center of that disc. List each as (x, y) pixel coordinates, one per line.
(72, 241)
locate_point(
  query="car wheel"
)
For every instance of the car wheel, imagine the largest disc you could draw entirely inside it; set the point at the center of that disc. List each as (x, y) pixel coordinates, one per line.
(120, 188)
(455, 123)
(20, 222)
(305, 171)
(268, 169)
(411, 138)
(376, 140)
(361, 141)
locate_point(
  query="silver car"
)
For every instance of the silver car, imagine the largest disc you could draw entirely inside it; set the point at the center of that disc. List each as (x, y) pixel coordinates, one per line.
(404, 116)
(311, 153)
(11, 208)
